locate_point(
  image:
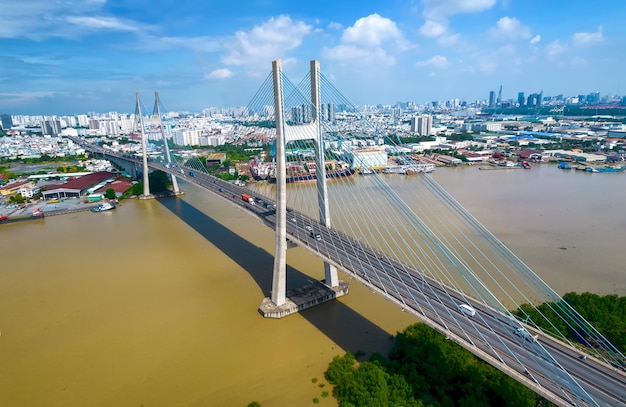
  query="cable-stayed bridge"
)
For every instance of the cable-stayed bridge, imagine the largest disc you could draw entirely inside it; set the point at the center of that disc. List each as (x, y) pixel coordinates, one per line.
(409, 241)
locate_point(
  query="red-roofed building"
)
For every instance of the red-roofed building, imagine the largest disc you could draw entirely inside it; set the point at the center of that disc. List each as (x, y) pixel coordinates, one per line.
(80, 186)
(120, 186)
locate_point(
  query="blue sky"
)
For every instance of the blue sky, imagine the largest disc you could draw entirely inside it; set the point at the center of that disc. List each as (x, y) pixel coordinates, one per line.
(74, 56)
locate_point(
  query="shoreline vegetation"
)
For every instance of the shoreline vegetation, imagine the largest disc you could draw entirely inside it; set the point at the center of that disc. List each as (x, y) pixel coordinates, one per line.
(425, 369)
(606, 313)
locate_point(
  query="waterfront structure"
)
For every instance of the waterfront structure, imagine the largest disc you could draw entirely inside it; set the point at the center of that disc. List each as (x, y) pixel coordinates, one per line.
(79, 187)
(366, 158)
(573, 155)
(25, 188)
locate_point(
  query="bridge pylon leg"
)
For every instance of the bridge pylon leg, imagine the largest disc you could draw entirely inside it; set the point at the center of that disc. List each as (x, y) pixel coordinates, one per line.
(283, 303)
(168, 156)
(146, 180)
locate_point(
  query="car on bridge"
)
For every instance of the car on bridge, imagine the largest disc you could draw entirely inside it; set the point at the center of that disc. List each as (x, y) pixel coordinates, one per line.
(467, 310)
(315, 235)
(523, 332)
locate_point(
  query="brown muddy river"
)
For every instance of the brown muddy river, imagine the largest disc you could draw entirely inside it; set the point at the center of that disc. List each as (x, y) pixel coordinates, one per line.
(155, 303)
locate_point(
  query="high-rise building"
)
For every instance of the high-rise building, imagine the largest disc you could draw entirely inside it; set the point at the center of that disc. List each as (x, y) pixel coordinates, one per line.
(51, 127)
(327, 112)
(593, 98)
(492, 99)
(296, 115)
(7, 121)
(422, 125)
(521, 100)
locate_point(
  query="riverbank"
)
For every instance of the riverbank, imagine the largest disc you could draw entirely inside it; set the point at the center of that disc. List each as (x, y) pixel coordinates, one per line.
(41, 209)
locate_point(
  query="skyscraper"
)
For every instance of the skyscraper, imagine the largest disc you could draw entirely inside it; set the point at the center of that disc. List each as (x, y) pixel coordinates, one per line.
(422, 125)
(6, 120)
(521, 99)
(492, 99)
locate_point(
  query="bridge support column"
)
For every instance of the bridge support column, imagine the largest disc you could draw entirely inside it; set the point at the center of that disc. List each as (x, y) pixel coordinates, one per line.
(146, 180)
(330, 272)
(165, 143)
(283, 303)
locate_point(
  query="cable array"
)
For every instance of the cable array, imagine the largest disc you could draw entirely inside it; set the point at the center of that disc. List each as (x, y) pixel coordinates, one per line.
(436, 248)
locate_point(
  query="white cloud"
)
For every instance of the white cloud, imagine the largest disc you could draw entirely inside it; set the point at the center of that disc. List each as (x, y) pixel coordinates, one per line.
(199, 44)
(268, 41)
(437, 61)
(509, 28)
(92, 23)
(535, 39)
(371, 31)
(437, 12)
(334, 25)
(221, 73)
(449, 39)
(432, 28)
(555, 48)
(372, 38)
(24, 98)
(38, 60)
(41, 19)
(487, 67)
(586, 38)
(441, 9)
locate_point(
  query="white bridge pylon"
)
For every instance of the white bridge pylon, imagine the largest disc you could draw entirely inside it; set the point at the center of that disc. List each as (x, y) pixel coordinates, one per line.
(285, 133)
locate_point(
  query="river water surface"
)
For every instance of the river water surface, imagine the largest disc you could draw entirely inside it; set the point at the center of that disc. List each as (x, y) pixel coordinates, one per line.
(155, 303)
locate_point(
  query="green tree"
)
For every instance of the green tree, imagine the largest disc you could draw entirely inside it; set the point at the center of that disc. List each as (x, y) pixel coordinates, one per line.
(159, 182)
(17, 198)
(368, 384)
(109, 193)
(606, 313)
(136, 189)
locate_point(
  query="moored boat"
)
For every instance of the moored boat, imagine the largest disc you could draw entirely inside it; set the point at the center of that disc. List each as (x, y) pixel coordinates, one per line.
(105, 206)
(564, 166)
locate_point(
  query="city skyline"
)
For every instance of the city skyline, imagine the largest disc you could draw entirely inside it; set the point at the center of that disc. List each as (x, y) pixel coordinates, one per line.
(64, 58)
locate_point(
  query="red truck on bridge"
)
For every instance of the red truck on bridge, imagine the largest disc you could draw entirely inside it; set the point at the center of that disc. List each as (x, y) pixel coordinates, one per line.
(247, 198)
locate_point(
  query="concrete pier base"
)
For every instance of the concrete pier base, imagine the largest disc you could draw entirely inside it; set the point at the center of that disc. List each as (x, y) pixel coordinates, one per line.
(161, 195)
(301, 298)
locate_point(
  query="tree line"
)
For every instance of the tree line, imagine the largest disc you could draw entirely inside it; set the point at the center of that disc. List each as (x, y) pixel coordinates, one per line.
(425, 369)
(606, 313)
